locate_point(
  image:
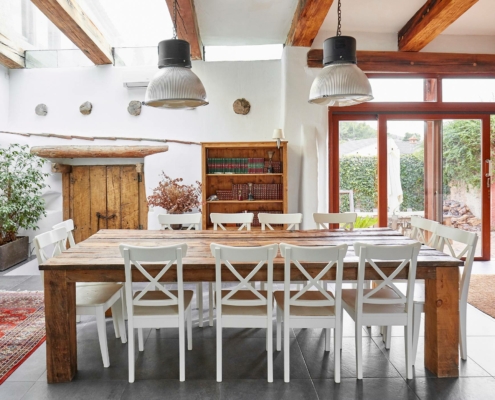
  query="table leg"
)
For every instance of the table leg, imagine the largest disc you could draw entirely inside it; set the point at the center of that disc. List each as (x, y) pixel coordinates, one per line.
(60, 317)
(442, 322)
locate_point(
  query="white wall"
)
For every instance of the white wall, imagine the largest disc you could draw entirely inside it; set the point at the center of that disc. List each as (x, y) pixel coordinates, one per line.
(4, 97)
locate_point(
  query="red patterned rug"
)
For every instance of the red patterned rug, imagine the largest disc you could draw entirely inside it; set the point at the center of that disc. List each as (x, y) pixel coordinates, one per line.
(22, 328)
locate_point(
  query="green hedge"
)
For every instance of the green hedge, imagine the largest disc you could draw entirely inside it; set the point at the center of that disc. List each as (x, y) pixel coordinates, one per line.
(360, 174)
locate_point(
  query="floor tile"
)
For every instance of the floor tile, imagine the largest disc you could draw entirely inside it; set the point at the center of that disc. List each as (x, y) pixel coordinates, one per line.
(482, 351)
(10, 282)
(14, 390)
(382, 389)
(77, 390)
(246, 389)
(32, 284)
(172, 389)
(454, 388)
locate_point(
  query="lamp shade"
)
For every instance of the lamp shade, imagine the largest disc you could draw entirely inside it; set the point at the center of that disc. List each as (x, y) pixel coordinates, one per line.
(175, 85)
(340, 83)
(278, 134)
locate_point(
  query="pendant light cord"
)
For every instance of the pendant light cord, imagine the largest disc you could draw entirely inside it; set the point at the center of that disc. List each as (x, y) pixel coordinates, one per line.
(175, 20)
(339, 15)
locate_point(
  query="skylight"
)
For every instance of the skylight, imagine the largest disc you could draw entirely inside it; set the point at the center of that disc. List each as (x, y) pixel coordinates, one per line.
(244, 53)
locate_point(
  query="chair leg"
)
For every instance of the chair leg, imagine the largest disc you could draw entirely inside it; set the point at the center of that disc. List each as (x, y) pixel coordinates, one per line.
(327, 339)
(415, 338)
(359, 351)
(131, 354)
(269, 340)
(463, 330)
(341, 328)
(199, 302)
(388, 337)
(337, 345)
(408, 333)
(210, 295)
(140, 339)
(119, 313)
(115, 321)
(286, 351)
(182, 347)
(279, 327)
(219, 348)
(102, 335)
(189, 328)
(78, 318)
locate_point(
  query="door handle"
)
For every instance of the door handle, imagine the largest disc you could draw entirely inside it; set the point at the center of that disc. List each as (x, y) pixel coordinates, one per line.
(101, 216)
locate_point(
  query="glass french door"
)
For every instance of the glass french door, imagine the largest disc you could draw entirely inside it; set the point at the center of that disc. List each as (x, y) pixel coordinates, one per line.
(392, 167)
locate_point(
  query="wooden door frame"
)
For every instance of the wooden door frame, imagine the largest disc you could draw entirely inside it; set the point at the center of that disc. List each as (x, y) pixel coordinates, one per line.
(383, 112)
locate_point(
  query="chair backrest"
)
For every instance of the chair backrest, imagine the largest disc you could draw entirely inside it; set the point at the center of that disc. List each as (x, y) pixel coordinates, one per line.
(53, 240)
(345, 219)
(468, 241)
(261, 255)
(331, 257)
(421, 228)
(136, 256)
(69, 227)
(245, 219)
(291, 220)
(193, 220)
(405, 255)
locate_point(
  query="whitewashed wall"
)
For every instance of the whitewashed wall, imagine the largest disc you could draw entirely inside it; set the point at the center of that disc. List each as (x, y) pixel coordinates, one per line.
(4, 97)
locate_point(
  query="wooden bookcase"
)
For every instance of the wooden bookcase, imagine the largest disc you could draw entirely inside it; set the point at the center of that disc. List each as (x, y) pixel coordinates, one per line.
(214, 182)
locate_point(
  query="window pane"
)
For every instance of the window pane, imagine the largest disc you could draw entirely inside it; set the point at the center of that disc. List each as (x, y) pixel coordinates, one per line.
(468, 90)
(397, 89)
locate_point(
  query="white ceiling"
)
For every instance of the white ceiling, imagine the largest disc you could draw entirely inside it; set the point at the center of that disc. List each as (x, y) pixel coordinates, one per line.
(247, 22)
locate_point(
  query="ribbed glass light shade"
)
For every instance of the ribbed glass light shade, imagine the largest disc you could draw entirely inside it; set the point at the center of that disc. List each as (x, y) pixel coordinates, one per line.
(175, 87)
(340, 85)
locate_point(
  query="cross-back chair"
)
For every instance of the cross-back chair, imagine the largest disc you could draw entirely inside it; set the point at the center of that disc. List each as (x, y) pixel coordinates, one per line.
(424, 231)
(245, 219)
(291, 220)
(155, 306)
(90, 299)
(345, 220)
(243, 306)
(308, 308)
(385, 304)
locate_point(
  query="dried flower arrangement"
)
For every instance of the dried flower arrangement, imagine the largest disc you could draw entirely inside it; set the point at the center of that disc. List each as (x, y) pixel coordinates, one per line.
(174, 196)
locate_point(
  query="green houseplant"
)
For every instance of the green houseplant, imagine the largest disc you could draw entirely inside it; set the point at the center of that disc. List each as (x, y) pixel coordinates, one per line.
(21, 204)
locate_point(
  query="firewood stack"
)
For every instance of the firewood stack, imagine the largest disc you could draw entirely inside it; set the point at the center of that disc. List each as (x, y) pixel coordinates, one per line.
(462, 217)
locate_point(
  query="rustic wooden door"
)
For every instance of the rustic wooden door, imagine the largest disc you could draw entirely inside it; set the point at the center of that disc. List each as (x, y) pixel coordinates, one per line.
(104, 197)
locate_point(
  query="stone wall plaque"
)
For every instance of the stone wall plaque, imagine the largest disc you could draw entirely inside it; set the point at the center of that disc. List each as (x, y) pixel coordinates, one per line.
(134, 108)
(86, 108)
(241, 106)
(41, 109)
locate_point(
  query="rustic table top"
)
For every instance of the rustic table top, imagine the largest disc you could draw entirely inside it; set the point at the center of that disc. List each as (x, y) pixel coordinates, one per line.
(101, 251)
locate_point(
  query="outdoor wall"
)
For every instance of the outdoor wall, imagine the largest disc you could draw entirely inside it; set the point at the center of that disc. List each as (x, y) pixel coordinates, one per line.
(4, 96)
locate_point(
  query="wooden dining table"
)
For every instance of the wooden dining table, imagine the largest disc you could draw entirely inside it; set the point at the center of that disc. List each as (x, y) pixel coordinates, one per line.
(97, 259)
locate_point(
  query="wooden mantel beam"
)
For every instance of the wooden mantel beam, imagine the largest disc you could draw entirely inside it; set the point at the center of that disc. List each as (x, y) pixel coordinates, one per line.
(11, 55)
(435, 63)
(429, 21)
(97, 151)
(307, 21)
(68, 16)
(187, 26)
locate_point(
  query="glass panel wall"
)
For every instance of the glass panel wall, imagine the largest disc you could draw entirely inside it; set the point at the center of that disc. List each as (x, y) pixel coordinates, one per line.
(397, 90)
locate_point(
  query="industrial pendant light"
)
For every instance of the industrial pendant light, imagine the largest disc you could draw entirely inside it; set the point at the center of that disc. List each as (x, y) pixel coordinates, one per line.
(340, 83)
(175, 85)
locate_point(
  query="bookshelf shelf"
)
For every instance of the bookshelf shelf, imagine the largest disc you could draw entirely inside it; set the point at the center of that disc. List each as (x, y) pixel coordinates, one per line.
(223, 182)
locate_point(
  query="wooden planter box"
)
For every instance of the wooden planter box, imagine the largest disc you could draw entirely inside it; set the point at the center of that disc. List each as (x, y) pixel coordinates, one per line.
(14, 252)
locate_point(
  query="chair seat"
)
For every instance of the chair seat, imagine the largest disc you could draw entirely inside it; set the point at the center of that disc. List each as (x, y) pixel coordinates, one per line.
(94, 295)
(349, 297)
(306, 311)
(141, 311)
(244, 310)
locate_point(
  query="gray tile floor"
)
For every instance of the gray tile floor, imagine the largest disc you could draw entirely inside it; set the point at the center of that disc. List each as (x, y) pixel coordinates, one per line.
(244, 372)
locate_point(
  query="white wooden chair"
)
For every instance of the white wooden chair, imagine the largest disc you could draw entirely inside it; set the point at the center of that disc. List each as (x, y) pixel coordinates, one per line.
(291, 220)
(385, 304)
(311, 309)
(155, 306)
(90, 299)
(245, 219)
(345, 220)
(244, 306)
(422, 228)
(445, 236)
(194, 221)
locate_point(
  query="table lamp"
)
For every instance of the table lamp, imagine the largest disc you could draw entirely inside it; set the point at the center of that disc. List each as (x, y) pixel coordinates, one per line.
(278, 135)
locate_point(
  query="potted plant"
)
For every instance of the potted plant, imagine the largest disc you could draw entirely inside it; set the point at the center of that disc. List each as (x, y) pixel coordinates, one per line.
(21, 204)
(175, 197)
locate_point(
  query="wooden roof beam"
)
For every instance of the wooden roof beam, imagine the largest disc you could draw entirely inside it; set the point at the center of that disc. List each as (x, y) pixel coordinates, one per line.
(97, 151)
(410, 62)
(68, 16)
(187, 26)
(307, 21)
(11, 55)
(430, 21)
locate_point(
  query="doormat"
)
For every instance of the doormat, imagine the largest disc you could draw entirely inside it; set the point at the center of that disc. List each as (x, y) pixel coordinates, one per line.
(22, 328)
(482, 293)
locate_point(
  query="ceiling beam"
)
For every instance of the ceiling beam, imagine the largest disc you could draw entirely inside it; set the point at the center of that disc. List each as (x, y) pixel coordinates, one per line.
(396, 61)
(187, 25)
(430, 21)
(11, 56)
(307, 21)
(68, 16)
